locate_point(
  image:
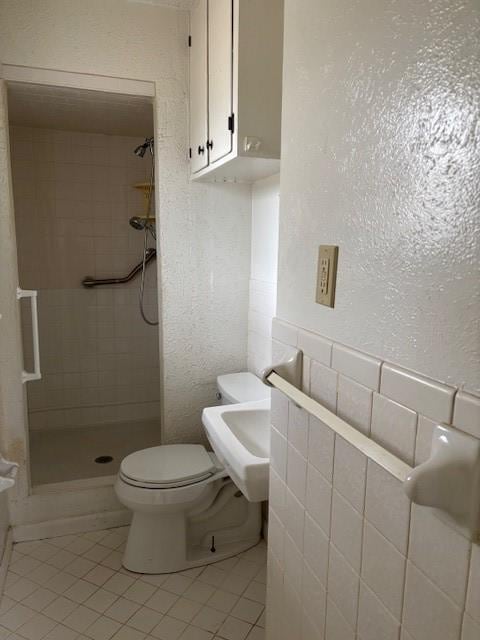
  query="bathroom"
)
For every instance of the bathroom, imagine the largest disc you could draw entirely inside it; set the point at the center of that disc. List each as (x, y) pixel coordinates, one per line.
(378, 111)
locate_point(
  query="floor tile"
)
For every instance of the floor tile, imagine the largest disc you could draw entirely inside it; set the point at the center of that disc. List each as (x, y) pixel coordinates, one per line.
(40, 599)
(60, 632)
(223, 600)
(80, 567)
(37, 627)
(118, 583)
(194, 633)
(161, 601)
(247, 610)
(75, 588)
(169, 629)
(256, 591)
(234, 629)
(80, 591)
(139, 592)
(122, 609)
(80, 619)
(101, 600)
(103, 628)
(20, 589)
(145, 619)
(199, 591)
(16, 616)
(60, 608)
(127, 633)
(185, 609)
(176, 583)
(209, 619)
(97, 574)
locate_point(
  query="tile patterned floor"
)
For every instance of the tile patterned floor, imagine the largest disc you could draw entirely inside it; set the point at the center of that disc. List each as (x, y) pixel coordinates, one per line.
(74, 588)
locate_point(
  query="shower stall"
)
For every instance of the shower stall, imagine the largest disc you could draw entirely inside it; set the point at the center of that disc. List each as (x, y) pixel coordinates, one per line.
(83, 185)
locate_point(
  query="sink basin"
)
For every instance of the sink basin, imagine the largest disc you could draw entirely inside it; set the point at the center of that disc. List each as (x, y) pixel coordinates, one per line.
(240, 436)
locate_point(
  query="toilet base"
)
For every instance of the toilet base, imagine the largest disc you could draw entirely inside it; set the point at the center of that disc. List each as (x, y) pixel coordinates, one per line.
(170, 542)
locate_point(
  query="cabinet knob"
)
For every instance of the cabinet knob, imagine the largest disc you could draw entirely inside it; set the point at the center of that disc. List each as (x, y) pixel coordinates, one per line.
(209, 144)
(201, 150)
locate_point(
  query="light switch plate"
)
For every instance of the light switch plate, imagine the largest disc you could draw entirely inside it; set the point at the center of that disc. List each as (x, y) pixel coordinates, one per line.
(327, 274)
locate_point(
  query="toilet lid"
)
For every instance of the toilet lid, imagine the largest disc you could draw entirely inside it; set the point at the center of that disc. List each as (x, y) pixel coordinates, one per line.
(168, 464)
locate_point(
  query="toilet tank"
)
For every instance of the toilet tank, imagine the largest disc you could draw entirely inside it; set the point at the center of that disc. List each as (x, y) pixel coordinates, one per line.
(241, 387)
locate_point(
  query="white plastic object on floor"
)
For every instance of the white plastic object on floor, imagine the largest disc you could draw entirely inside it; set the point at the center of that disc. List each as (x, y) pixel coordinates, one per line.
(449, 481)
(8, 472)
(240, 437)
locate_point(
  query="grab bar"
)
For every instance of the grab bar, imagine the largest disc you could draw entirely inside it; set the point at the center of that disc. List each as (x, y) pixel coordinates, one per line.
(367, 446)
(93, 282)
(36, 373)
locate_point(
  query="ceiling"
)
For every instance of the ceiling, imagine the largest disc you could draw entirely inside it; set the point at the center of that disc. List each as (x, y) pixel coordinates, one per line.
(69, 109)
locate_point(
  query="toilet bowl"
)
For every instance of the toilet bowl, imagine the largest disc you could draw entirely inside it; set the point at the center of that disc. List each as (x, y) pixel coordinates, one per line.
(186, 510)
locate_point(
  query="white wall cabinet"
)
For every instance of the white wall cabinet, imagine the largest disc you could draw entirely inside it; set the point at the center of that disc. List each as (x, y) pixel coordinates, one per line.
(236, 49)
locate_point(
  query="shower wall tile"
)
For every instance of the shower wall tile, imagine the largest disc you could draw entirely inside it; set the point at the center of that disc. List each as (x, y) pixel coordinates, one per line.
(391, 569)
(73, 198)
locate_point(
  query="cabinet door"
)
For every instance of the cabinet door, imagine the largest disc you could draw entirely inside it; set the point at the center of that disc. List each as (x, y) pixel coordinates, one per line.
(198, 86)
(220, 60)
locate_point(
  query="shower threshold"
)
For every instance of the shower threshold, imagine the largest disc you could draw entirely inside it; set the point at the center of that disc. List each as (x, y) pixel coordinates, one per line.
(70, 454)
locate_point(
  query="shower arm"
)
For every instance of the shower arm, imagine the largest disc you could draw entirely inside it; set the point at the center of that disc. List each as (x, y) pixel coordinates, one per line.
(93, 282)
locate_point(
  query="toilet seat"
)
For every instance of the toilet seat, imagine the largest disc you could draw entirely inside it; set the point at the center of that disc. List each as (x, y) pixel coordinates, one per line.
(168, 466)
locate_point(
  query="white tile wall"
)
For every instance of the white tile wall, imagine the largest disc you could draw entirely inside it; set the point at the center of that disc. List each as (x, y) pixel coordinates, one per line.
(391, 571)
(467, 413)
(73, 198)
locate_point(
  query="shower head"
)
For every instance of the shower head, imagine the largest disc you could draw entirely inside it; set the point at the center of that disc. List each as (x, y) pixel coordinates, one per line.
(142, 148)
(140, 224)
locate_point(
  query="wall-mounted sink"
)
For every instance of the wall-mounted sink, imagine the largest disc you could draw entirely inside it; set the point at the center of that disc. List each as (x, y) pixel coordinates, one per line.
(240, 436)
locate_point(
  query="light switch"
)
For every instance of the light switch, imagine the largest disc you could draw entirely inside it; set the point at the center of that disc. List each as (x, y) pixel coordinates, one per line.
(326, 274)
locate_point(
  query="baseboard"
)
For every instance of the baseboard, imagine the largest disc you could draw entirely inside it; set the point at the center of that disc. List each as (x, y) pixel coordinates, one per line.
(68, 526)
(7, 552)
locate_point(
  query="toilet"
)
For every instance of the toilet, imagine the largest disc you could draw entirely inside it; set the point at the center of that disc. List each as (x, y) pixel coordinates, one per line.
(186, 510)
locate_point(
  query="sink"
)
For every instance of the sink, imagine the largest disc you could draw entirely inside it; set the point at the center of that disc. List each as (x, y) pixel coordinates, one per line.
(240, 436)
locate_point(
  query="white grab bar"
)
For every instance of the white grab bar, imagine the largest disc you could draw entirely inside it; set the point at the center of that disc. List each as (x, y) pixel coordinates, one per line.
(36, 373)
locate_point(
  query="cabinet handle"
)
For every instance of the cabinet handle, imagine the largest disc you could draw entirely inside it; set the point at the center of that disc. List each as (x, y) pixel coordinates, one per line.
(201, 150)
(209, 144)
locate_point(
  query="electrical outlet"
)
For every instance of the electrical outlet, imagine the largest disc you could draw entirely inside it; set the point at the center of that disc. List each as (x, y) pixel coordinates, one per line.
(326, 274)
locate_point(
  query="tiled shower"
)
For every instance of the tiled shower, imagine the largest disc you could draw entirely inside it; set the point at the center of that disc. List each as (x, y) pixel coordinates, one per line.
(74, 195)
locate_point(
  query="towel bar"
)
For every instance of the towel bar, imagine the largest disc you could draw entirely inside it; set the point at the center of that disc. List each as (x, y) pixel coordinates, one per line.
(448, 482)
(371, 449)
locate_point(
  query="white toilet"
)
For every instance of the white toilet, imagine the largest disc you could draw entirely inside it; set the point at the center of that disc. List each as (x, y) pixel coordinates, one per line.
(186, 510)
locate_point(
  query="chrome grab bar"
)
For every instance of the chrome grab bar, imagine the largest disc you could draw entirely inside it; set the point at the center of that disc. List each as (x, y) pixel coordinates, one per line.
(92, 282)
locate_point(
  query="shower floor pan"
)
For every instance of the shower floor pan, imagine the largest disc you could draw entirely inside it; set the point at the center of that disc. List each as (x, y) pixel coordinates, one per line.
(63, 455)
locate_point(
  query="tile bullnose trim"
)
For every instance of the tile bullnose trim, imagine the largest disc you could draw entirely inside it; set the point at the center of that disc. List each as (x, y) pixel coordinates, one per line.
(419, 393)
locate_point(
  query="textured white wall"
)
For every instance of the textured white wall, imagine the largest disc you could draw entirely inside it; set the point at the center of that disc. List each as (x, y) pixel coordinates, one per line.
(204, 239)
(381, 155)
(204, 229)
(263, 271)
